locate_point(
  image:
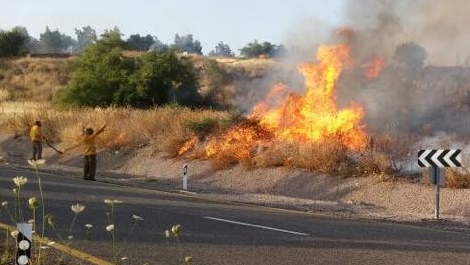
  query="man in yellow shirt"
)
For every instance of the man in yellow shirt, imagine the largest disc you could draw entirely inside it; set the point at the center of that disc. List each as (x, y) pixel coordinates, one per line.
(88, 152)
(36, 138)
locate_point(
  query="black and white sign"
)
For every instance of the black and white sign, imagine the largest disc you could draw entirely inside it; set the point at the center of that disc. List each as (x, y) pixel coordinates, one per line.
(24, 239)
(439, 158)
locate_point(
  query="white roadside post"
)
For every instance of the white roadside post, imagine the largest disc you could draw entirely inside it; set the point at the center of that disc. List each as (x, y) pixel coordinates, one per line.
(24, 240)
(185, 177)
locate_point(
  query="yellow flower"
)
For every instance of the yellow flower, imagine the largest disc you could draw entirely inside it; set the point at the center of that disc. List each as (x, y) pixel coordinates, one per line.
(33, 202)
(110, 228)
(188, 260)
(20, 180)
(77, 208)
(37, 163)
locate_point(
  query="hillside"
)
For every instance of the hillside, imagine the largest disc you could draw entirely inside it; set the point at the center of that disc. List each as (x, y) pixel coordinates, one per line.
(141, 147)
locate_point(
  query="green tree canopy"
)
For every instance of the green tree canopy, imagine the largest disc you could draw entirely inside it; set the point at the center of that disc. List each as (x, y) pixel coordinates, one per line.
(256, 49)
(104, 77)
(13, 42)
(54, 41)
(139, 43)
(222, 49)
(85, 37)
(187, 44)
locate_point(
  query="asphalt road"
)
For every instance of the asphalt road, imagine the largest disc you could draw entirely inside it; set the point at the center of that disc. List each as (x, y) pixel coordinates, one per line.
(222, 233)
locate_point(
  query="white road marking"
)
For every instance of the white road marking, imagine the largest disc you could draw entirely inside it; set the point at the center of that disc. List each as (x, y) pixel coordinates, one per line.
(253, 225)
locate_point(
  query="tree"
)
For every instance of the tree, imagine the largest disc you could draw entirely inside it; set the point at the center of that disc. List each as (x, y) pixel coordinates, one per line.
(139, 43)
(54, 41)
(113, 39)
(85, 37)
(187, 44)
(411, 55)
(160, 79)
(222, 49)
(255, 49)
(100, 72)
(158, 46)
(13, 42)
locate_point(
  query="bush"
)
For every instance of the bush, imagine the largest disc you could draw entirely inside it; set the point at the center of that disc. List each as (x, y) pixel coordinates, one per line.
(104, 77)
(203, 127)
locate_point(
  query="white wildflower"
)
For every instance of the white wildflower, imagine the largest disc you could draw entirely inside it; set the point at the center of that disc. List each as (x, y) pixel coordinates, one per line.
(51, 243)
(33, 202)
(37, 163)
(123, 258)
(110, 228)
(77, 208)
(70, 237)
(88, 226)
(167, 233)
(20, 180)
(137, 218)
(4, 203)
(15, 233)
(112, 202)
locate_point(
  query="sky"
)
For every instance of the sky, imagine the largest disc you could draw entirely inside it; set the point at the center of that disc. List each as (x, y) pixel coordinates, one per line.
(236, 23)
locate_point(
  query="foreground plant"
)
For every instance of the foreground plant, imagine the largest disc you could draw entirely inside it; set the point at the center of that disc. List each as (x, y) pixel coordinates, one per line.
(36, 164)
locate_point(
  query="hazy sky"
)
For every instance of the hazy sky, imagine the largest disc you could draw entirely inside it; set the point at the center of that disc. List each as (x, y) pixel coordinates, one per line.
(210, 21)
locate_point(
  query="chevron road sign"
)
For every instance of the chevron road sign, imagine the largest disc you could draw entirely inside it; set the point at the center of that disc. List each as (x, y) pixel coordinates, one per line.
(439, 158)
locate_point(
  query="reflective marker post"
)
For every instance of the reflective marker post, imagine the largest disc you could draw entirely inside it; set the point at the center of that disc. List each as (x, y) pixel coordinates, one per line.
(24, 243)
(185, 177)
(437, 178)
(436, 160)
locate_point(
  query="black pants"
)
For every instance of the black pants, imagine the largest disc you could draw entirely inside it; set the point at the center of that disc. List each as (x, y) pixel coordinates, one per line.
(37, 150)
(89, 168)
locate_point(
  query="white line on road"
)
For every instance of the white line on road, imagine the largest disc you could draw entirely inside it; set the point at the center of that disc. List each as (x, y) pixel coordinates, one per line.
(258, 226)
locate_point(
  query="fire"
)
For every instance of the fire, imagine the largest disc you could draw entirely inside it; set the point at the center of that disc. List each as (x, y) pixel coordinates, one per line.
(239, 142)
(373, 69)
(315, 117)
(285, 116)
(188, 145)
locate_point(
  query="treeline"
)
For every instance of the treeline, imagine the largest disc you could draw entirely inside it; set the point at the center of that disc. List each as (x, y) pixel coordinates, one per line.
(17, 42)
(104, 77)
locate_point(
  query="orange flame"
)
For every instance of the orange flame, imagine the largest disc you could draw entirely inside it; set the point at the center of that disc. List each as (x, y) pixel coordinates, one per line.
(315, 116)
(374, 68)
(188, 145)
(288, 116)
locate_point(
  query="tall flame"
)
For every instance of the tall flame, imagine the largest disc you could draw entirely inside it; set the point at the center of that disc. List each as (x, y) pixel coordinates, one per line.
(288, 116)
(315, 116)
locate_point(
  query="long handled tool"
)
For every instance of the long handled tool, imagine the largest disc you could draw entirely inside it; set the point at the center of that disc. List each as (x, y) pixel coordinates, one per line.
(53, 147)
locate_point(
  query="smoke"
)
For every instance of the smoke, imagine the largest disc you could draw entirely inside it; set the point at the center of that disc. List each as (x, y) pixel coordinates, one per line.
(410, 99)
(439, 26)
(427, 99)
